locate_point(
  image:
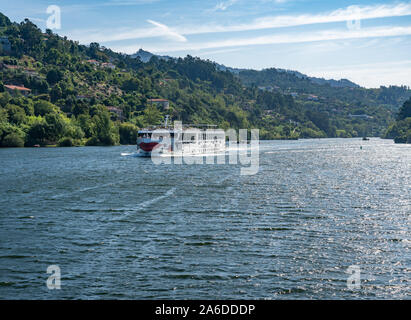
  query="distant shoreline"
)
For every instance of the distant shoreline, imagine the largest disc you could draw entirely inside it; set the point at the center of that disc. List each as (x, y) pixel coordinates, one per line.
(118, 145)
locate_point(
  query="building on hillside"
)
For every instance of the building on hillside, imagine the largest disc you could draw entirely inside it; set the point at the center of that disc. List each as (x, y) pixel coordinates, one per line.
(13, 89)
(360, 116)
(163, 103)
(312, 97)
(31, 72)
(116, 111)
(267, 88)
(94, 62)
(10, 66)
(108, 65)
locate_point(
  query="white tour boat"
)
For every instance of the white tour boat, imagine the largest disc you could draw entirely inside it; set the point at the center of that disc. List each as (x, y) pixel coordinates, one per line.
(180, 140)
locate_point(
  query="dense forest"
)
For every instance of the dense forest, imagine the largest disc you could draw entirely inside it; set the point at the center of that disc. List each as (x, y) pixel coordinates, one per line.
(54, 91)
(400, 131)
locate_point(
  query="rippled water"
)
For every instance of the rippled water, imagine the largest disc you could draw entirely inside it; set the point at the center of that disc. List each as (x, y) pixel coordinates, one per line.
(120, 227)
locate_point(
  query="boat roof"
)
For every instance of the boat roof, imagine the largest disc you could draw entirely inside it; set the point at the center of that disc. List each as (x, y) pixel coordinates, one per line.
(185, 128)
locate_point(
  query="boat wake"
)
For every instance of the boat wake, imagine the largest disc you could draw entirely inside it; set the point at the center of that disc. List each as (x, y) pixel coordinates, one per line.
(152, 201)
(131, 154)
(239, 148)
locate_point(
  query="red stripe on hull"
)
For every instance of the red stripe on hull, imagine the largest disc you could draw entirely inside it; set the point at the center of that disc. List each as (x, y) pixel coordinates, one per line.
(147, 147)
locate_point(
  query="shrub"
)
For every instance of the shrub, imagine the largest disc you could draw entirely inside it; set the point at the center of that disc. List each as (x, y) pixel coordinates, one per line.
(93, 141)
(12, 140)
(128, 133)
(66, 142)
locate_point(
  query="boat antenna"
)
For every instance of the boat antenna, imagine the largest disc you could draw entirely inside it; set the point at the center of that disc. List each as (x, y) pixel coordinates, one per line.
(166, 120)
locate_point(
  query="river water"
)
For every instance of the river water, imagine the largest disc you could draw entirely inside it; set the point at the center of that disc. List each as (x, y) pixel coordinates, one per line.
(120, 227)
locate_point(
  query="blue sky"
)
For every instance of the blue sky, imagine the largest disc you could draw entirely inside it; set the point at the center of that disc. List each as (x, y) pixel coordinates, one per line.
(368, 42)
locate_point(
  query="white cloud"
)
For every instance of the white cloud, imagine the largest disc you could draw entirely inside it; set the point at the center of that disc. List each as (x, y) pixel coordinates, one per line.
(179, 33)
(340, 15)
(97, 35)
(167, 32)
(224, 5)
(281, 39)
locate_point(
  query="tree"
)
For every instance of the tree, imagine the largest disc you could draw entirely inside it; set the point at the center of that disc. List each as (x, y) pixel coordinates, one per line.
(55, 127)
(12, 140)
(16, 114)
(4, 21)
(54, 76)
(41, 108)
(101, 127)
(53, 57)
(152, 115)
(128, 133)
(405, 110)
(37, 133)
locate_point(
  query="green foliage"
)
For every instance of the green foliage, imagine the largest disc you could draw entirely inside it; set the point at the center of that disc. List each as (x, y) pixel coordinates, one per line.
(16, 114)
(54, 75)
(55, 126)
(4, 21)
(10, 135)
(400, 130)
(66, 142)
(37, 133)
(12, 140)
(104, 131)
(152, 115)
(405, 110)
(41, 108)
(128, 133)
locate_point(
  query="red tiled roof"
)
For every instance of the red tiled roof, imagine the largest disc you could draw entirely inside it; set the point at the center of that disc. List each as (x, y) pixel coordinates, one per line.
(13, 87)
(9, 66)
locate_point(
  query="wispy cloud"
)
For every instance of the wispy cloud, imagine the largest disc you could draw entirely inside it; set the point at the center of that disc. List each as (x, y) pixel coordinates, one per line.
(224, 5)
(340, 15)
(82, 7)
(167, 32)
(304, 37)
(271, 22)
(97, 35)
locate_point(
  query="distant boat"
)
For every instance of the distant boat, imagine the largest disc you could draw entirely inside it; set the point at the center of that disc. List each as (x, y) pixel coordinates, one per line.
(365, 139)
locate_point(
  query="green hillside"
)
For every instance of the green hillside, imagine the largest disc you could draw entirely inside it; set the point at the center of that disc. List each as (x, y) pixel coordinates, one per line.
(91, 95)
(400, 131)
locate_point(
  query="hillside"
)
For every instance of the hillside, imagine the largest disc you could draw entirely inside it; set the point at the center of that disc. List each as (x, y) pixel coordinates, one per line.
(338, 92)
(400, 130)
(55, 91)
